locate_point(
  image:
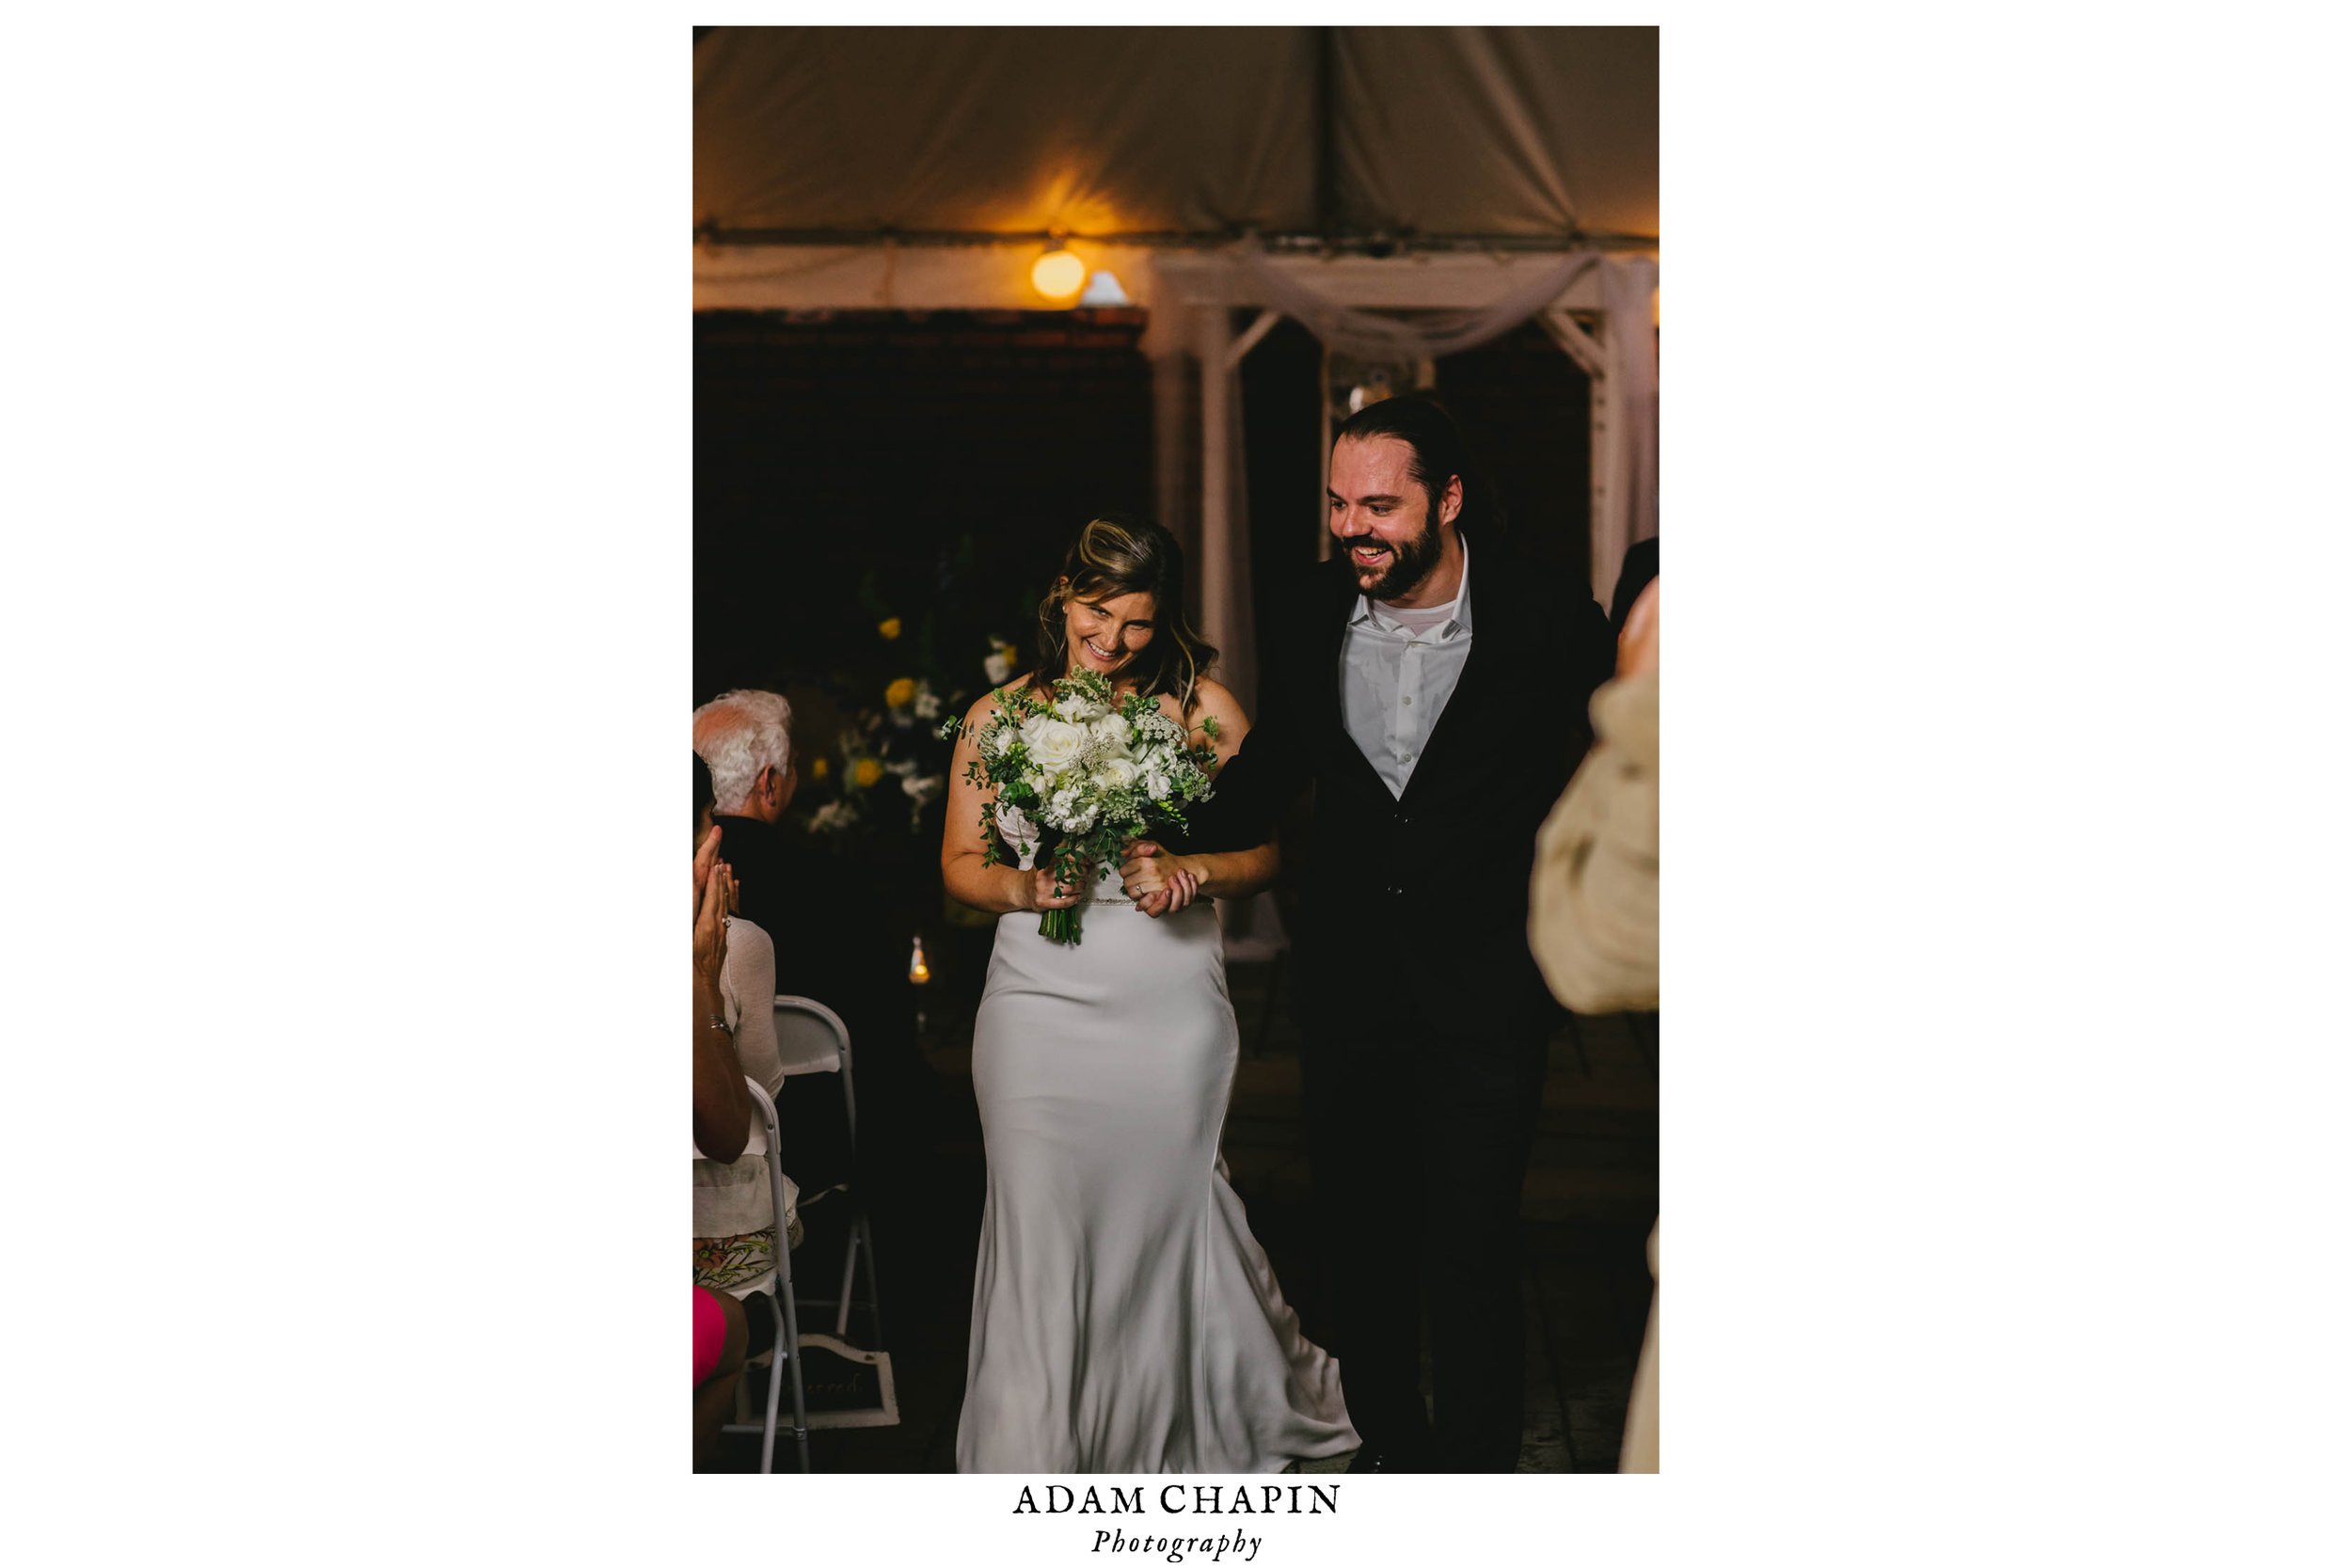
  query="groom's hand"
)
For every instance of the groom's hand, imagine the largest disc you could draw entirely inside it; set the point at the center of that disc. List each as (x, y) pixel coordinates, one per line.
(1159, 882)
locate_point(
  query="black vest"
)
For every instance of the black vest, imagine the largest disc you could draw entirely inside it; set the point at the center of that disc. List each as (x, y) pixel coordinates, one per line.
(1423, 899)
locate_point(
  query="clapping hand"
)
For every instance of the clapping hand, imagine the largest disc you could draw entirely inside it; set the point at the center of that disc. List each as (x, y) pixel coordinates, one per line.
(706, 856)
(715, 895)
(1159, 882)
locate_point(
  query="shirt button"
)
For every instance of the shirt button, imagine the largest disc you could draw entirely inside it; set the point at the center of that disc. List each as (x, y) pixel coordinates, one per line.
(1409, 702)
(1407, 757)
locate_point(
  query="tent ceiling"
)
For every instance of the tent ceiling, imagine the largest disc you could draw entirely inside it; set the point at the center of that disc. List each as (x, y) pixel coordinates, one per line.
(1528, 133)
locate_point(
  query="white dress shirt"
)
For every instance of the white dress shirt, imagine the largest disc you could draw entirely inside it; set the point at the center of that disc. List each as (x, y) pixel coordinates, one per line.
(1398, 668)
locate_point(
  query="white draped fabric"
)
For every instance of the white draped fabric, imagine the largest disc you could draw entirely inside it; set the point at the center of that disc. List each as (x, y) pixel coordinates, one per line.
(1344, 304)
(1430, 335)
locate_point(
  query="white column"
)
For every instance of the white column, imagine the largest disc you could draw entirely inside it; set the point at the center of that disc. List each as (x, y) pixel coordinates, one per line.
(1612, 532)
(1172, 443)
(1625, 423)
(1221, 562)
(1168, 343)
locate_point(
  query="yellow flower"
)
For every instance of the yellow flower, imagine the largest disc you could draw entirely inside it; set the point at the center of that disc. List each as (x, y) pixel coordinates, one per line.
(819, 767)
(898, 693)
(889, 629)
(867, 772)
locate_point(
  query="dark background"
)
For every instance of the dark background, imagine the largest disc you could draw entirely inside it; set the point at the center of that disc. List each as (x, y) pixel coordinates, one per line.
(933, 465)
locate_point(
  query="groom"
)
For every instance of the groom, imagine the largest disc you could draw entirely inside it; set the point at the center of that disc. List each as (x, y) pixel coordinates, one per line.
(1433, 689)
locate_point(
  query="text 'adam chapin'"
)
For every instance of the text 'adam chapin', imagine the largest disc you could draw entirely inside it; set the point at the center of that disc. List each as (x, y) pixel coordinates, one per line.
(1173, 1500)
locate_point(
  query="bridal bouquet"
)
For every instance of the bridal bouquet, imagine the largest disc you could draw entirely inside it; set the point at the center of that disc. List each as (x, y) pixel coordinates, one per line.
(1099, 768)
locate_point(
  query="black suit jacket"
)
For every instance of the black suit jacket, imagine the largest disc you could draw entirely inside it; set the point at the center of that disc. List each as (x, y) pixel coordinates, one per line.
(1638, 571)
(1423, 897)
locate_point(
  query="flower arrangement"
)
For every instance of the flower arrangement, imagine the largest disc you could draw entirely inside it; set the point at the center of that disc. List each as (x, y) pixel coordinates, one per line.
(888, 763)
(1098, 768)
(913, 649)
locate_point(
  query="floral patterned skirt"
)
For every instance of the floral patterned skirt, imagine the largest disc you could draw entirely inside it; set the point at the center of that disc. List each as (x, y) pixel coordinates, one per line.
(722, 1262)
(735, 1221)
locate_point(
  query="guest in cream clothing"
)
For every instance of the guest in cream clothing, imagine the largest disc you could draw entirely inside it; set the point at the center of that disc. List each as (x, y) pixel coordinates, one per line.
(1593, 904)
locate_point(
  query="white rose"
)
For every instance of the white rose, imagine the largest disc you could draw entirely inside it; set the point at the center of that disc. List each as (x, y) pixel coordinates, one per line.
(1117, 773)
(1054, 745)
(1112, 733)
(1155, 784)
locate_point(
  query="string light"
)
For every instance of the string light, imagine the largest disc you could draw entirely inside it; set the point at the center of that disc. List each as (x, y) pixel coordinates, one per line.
(1058, 274)
(918, 969)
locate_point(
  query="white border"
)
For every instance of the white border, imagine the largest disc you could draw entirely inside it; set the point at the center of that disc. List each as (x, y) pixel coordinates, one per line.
(347, 615)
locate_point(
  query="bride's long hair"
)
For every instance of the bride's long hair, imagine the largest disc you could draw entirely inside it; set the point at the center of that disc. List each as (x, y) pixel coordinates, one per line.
(1113, 555)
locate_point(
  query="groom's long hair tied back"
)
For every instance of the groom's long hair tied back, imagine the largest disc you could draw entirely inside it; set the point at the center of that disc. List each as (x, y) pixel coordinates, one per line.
(1440, 452)
(1115, 555)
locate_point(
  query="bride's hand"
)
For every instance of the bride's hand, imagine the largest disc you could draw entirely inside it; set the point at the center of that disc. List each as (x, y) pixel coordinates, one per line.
(1159, 882)
(1044, 893)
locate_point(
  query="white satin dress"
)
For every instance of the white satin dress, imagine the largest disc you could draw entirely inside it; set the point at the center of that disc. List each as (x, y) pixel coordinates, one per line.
(1125, 1320)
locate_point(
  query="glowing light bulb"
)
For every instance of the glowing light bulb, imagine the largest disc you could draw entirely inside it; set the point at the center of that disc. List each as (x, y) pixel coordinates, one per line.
(918, 970)
(1058, 275)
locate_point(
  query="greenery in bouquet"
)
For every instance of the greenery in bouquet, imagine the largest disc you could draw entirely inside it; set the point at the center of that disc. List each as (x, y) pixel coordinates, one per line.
(1092, 770)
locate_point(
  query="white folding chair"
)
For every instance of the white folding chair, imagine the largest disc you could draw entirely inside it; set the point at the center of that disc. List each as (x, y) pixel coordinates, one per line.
(811, 1037)
(776, 1284)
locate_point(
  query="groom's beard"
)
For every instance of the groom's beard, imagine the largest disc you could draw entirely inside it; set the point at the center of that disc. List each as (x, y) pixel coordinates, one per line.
(1408, 567)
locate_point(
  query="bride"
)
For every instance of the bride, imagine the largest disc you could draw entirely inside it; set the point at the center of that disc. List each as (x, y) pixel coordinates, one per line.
(1125, 1320)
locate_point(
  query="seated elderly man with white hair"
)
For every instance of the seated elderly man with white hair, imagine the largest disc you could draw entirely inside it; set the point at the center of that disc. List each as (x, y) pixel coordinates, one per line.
(745, 739)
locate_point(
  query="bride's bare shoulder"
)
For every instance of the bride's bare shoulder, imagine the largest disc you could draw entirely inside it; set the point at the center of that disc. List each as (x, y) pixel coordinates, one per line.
(986, 707)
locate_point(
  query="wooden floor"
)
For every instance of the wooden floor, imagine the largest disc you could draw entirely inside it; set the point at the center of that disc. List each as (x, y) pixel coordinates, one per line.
(1591, 1195)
